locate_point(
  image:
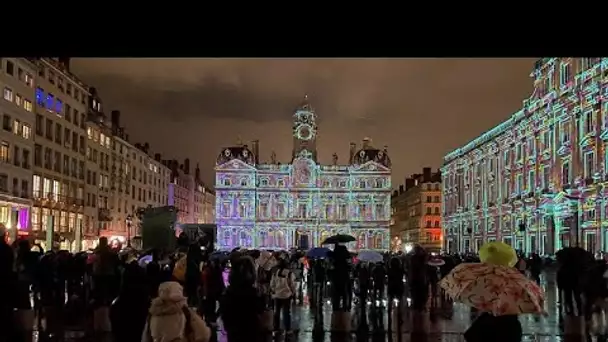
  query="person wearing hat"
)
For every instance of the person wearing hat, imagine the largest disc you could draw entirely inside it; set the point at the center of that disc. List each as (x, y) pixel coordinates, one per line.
(170, 319)
(487, 326)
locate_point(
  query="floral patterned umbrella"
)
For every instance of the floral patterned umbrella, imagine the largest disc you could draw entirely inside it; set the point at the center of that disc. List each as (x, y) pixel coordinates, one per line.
(499, 290)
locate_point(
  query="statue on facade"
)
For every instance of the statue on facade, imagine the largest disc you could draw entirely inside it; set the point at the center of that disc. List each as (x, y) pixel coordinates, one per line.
(273, 157)
(334, 159)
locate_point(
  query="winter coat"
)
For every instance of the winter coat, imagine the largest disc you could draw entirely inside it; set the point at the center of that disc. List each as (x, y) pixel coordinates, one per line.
(168, 316)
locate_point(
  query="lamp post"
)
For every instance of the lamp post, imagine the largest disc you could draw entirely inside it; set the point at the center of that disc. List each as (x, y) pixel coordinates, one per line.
(129, 221)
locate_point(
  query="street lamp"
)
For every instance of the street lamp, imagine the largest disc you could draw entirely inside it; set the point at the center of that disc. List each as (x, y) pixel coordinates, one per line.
(129, 221)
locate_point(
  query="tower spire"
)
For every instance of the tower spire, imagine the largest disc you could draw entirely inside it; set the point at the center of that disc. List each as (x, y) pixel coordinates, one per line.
(305, 105)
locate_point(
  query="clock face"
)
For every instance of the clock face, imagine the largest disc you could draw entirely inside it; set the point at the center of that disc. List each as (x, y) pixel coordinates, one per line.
(305, 132)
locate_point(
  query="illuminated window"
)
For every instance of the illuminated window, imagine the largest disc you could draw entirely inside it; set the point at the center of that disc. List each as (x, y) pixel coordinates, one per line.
(56, 190)
(29, 80)
(36, 186)
(507, 158)
(589, 122)
(8, 94)
(565, 74)
(59, 106)
(589, 164)
(519, 183)
(50, 100)
(566, 173)
(46, 188)
(531, 180)
(40, 97)
(4, 151)
(27, 105)
(546, 176)
(565, 132)
(18, 100)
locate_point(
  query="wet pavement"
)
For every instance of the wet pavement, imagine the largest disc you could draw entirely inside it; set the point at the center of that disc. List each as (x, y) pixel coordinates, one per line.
(447, 322)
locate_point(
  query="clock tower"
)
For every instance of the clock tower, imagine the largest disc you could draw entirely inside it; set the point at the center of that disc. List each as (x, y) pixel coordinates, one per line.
(305, 130)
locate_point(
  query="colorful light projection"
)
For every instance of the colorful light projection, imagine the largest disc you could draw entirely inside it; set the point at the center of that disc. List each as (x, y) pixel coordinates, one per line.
(538, 180)
(279, 206)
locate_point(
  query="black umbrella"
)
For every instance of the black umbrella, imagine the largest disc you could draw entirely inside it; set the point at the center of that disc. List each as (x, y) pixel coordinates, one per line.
(340, 238)
(574, 256)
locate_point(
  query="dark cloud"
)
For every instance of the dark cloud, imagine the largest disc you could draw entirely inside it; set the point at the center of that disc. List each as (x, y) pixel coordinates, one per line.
(421, 108)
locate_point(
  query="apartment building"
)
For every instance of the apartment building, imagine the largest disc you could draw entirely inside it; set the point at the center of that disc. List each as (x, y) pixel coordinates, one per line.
(16, 144)
(181, 190)
(58, 183)
(149, 182)
(121, 206)
(205, 212)
(417, 211)
(97, 187)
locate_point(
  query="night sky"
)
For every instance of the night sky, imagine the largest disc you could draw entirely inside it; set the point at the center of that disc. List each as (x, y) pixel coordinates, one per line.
(420, 108)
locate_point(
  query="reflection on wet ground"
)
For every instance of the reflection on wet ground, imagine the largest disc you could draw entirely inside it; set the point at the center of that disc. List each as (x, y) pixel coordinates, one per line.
(447, 322)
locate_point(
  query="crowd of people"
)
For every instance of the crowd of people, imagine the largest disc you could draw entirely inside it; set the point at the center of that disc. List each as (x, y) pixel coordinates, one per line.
(182, 295)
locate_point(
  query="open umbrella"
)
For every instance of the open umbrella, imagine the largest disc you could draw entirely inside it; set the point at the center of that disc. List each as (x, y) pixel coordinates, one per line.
(436, 262)
(370, 256)
(575, 256)
(219, 255)
(499, 290)
(317, 253)
(340, 238)
(145, 260)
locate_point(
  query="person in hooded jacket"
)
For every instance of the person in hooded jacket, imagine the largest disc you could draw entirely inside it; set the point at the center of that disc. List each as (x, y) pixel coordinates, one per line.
(171, 320)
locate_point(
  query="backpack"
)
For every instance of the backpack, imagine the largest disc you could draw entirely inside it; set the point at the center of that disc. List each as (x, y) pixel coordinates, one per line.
(281, 284)
(187, 326)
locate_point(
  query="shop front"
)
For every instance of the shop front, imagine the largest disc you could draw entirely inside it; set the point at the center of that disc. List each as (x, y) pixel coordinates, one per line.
(15, 217)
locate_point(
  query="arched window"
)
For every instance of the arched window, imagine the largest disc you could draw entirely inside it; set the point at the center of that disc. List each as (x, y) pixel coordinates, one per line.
(262, 238)
(269, 239)
(243, 239)
(264, 182)
(280, 239)
(370, 240)
(379, 241)
(324, 235)
(361, 241)
(226, 238)
(243, 181)
(226, 181)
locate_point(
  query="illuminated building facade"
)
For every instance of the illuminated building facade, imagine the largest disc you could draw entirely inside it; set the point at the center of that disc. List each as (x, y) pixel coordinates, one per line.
(206, 205)
(195, 203)
(417, 212)
(16, 144)
(138, 179)
(279, 206)
(60, 138)
(537, 181)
